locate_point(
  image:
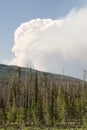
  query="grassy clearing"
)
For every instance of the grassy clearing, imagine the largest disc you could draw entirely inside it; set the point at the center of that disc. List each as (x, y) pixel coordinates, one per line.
(45, 128)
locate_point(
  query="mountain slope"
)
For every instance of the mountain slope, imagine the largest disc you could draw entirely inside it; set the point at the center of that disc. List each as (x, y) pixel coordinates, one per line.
(7, 71)
(44, 98)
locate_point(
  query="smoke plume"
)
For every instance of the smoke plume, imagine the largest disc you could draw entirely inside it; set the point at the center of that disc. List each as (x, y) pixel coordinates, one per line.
(50, 45)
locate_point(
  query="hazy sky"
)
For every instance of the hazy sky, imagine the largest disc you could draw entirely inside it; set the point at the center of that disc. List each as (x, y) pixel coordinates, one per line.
(45, 14)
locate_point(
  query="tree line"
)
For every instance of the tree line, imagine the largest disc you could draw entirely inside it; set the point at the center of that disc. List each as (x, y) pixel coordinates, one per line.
(38, 100)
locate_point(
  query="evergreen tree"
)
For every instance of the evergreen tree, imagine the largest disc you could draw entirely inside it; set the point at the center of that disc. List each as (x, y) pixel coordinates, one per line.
(39, 110)
(35, 99)
(21, 116)
(62, 105)
(3, 117)
(30, 98)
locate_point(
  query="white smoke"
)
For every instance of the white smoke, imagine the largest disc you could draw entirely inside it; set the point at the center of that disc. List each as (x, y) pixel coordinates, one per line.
(50, 45)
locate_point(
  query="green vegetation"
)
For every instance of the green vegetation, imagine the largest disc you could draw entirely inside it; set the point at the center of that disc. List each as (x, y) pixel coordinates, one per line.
(40, 101)
(45, 128)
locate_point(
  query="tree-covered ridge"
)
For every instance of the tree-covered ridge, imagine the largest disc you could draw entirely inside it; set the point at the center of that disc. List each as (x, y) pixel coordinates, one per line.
(39, 99)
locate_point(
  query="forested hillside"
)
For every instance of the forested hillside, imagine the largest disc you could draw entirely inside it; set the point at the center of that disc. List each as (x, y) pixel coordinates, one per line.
(37, 98)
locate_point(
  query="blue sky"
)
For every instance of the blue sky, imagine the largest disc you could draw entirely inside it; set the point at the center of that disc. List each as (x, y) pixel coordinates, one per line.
(13, 13)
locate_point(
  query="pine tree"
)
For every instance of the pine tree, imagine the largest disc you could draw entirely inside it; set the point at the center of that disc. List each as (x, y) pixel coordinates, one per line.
(21, 115)
(62, 105)
(53, 104)
(3, 117)
(18, 88)
(29, 95)
(39, 110)
(35, 99)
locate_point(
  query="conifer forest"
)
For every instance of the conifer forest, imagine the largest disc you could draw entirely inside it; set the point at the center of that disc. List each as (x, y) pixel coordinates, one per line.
(34, 99)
